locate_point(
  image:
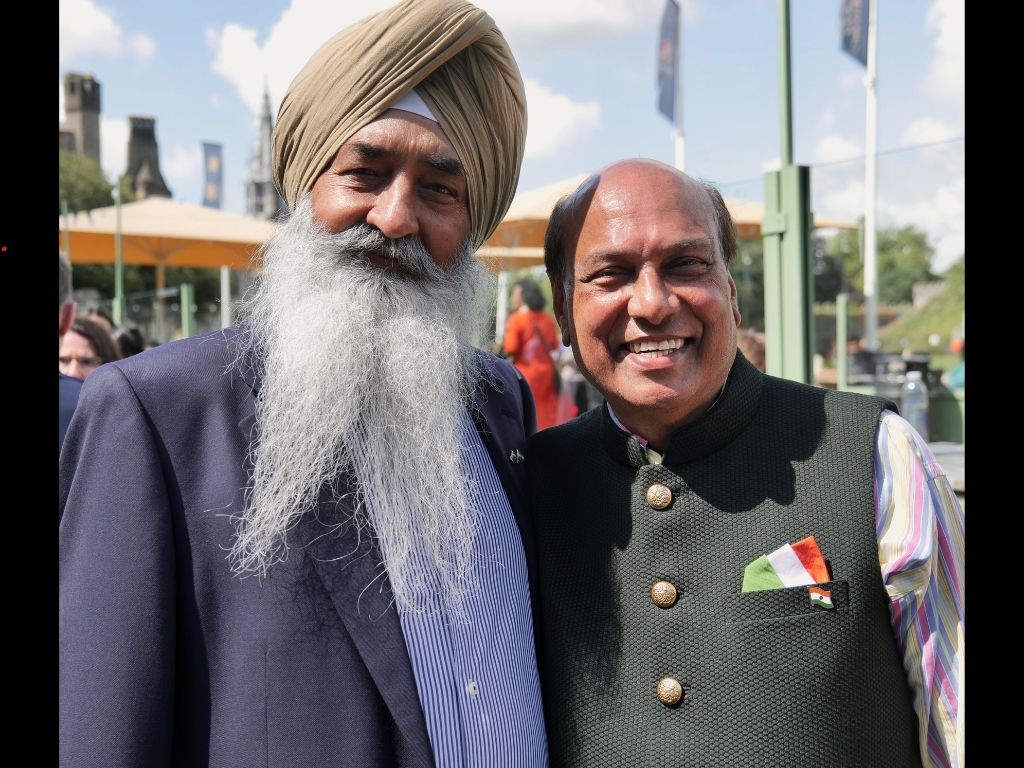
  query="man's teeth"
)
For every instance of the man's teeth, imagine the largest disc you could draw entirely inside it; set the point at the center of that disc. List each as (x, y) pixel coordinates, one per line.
(654, 348)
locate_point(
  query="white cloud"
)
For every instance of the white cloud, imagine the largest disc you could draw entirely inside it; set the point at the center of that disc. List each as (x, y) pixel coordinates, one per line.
(240, 61)
(85, 28)
(143, 47)
(842, 201)
(926, 130)
(572, 22)
(555, 120)
(946, 74)
(182, 167)
(113, 146)
(246, 63)
(941, 215)
(833, 148)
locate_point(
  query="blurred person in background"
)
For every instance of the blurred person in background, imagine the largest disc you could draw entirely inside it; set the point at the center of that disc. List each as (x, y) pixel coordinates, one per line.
(130, 340)
(68, 387)
(954, 378)
(101, 315)
(530, 339)
(751, 344)
(85, 347)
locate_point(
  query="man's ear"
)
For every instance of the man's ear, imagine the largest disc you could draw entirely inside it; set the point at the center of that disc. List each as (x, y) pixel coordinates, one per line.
(67, 317)
(734, 300)
(560, 308)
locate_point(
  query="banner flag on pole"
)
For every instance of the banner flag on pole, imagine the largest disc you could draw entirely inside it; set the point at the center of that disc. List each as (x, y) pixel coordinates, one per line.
(668, 59)
(214, 173)
(853, 21)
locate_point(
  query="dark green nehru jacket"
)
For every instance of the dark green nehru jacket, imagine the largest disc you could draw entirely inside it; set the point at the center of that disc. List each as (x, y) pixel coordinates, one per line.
(640, 589)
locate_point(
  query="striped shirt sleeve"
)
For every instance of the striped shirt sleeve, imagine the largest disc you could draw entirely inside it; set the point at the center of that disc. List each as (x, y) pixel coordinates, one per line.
(920, 528)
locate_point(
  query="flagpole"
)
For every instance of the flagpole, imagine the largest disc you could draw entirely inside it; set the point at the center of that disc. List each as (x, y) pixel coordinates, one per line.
(677, 122)
(870, 183)
(119, 299)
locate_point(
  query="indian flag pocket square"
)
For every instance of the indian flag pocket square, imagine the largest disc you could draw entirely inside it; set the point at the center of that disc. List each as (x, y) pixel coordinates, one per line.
(791, 565)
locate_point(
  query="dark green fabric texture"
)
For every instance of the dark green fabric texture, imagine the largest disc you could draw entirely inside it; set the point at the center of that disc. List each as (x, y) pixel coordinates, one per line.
(769, 679)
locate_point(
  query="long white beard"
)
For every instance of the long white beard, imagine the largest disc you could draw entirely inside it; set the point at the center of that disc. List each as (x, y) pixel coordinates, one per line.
(366, 371)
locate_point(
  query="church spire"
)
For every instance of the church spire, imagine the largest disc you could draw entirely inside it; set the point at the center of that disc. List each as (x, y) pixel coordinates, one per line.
(261, 197)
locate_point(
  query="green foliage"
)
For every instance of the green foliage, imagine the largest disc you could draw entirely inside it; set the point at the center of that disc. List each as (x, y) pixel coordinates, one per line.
(82, 183)
(748, 273)
(942, 315)
(127, 193)
(904, 258)
(141, 279)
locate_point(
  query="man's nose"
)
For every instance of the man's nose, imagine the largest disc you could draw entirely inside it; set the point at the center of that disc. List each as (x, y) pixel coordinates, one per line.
(394, 210)
(652, 300)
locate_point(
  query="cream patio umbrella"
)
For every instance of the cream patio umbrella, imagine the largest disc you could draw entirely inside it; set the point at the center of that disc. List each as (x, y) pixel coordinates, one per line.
(519, 240)
(161, 233)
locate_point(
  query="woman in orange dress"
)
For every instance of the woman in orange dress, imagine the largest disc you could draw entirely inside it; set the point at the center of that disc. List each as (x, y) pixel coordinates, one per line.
(530, 337)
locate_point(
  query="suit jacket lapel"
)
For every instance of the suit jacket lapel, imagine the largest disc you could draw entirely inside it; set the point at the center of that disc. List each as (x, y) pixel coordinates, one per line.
(350, 567)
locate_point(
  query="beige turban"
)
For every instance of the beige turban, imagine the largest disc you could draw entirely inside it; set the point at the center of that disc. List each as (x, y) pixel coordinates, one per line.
(458, 61)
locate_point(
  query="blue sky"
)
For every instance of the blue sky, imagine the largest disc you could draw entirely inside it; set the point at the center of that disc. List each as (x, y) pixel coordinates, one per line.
(199, 68)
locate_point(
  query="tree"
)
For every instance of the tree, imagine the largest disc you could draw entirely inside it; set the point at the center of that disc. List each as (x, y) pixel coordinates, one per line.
(904, 257)
(83, 185)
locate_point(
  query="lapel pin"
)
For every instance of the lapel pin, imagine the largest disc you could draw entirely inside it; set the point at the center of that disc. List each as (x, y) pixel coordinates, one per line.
(820, 598)
(516, 457)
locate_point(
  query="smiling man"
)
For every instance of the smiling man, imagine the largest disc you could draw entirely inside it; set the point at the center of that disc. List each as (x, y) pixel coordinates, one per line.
(311, 552)
(734, 569)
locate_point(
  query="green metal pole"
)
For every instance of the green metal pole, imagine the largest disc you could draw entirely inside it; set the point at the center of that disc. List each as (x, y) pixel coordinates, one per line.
(786, 230)
(119, 302)
(187, 296)
(66, 232)
(772, 229)
(785, 88)
(797, 273)
(842, 336)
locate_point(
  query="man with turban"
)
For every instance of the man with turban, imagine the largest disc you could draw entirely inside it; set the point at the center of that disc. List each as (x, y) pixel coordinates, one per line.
(315, 547)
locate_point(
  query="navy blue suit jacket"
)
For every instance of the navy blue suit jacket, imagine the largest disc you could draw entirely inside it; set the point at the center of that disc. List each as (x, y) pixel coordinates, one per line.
(68, 392)
(166, 658)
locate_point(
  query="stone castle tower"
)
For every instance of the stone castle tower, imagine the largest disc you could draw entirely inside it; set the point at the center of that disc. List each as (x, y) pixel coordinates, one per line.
(82, 107)
(144, 160)
(261, 197)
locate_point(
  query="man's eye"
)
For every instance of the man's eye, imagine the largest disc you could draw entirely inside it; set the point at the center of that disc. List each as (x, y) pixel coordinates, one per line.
(441, 189)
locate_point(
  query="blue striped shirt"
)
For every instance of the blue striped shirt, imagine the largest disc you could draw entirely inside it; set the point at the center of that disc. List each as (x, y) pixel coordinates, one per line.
(477, 676)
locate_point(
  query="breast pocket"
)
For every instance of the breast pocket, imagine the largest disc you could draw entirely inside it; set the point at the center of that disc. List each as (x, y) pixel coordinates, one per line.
(790, 603)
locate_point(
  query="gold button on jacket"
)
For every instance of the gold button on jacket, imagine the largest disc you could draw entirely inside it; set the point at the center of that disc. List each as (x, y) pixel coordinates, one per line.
(670, 692)
(664, 594)
(659, 496)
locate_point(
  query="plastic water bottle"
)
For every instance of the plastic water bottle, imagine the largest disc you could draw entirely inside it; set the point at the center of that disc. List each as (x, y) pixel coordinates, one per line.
(914, 402)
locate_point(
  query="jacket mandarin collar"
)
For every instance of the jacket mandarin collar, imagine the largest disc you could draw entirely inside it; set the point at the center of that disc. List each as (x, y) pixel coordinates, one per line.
(716, 428)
